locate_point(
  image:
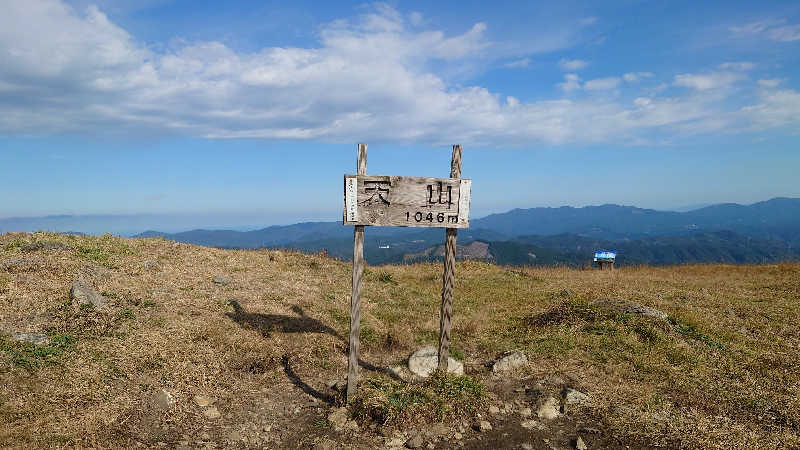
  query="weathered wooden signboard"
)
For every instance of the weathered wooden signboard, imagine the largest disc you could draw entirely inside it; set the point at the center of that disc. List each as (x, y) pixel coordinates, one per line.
(371, 200)
(406, 201)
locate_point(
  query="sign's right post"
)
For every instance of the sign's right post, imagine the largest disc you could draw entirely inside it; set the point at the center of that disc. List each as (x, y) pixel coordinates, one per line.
(448, 278)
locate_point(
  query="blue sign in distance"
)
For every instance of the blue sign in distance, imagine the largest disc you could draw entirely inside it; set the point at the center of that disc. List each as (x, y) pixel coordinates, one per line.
(605, 255)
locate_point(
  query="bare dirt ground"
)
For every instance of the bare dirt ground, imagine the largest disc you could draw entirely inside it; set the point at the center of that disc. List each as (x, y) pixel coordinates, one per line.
(256, 358)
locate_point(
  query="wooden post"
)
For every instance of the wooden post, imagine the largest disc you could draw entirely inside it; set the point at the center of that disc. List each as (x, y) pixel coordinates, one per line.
(355, 296)
(448, 278)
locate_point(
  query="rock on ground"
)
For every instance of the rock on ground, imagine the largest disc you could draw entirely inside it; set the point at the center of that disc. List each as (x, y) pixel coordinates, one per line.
(532, 425)
(482, 426)
(212, 413)
(165, 399)
(37, 339)
(338, 417)
(84, 294)
(222, 280)
(623, 306)
(415, 441)
(573, 396)
(579, 444)
(549, 409)
(509, 362)
(425, 361)
(203, 400)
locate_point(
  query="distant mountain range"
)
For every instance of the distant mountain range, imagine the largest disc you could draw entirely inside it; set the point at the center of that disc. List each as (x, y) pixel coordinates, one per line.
(763, 232)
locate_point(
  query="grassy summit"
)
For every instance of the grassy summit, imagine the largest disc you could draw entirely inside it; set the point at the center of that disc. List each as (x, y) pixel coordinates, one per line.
(178, 359)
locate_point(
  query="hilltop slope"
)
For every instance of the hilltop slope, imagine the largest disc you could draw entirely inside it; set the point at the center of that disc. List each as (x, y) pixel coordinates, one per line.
(178, 359)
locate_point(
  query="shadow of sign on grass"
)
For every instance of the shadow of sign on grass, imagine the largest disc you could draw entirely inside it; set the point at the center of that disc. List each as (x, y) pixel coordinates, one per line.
(266, 324)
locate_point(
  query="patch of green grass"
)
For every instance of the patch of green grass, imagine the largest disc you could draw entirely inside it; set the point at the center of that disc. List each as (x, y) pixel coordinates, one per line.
(16, 243)
(148, 303)
(552, 345)
(322, 422)
(368, 334)
(441, 397)
(690, 330)
(31, 357)
(339, 317)
(127, 314)
(386, 277)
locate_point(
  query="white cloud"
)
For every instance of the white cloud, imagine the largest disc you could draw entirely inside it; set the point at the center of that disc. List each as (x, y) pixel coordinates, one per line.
(572, 64)
(770, 29)
(633, 77)
(770, 83)
(741, 65)
(571, 82)
(714, 80)
(375, 77)
(601, 84)
(519, 63)
(776, 108)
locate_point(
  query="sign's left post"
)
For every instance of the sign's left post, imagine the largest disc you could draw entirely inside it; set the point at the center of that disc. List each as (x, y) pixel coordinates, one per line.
(358, 272)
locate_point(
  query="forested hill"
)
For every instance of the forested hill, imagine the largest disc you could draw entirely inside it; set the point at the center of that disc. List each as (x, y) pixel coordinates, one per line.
(762, 232)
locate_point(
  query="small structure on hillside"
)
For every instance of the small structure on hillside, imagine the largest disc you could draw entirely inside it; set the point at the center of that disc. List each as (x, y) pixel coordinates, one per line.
(605, 259)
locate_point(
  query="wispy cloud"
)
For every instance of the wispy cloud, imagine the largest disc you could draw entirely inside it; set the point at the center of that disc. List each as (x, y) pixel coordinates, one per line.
(602, 84)
(519, 63)
(633, 77)
(776, 30)
(740, 65)
(701, 82)
(572, 64)
(374, 77)
(571, 82)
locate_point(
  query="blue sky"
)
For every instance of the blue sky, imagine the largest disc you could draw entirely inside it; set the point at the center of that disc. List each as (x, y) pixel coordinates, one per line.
(247, 113)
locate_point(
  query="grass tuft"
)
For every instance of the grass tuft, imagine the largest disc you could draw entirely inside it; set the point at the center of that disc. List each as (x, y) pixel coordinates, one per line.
(441, 397)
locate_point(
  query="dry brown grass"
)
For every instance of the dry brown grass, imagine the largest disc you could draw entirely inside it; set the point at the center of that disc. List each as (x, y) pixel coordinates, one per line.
(723, 372)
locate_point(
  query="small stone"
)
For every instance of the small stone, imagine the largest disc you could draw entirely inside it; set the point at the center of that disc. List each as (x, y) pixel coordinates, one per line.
(351, 425)
(212, 413)
(509, 362)
(458, 436)
(425, 361)
(494, 410)
(394, 442)
(549, 409)
(482, 426)
(430, 445)
(526, 446)
(415, 441)
(325, 444)
(573, 396)
(84, 294)
(525, 412)
(234, 436)
(203, 400)
(222, 280)
(579, 444)
(165, 399)
(37, 339)
(266, 428)
(338, 417)
(532, 425)
(150, 265)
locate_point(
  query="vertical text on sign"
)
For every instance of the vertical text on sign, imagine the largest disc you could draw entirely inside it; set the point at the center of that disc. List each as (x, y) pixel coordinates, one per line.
(351, 199)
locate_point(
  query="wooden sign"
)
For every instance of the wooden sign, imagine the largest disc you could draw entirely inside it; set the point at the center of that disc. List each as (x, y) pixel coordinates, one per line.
(406, 201)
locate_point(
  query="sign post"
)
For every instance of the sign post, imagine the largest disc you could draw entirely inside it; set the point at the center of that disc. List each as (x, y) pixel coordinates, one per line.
(405, 202)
